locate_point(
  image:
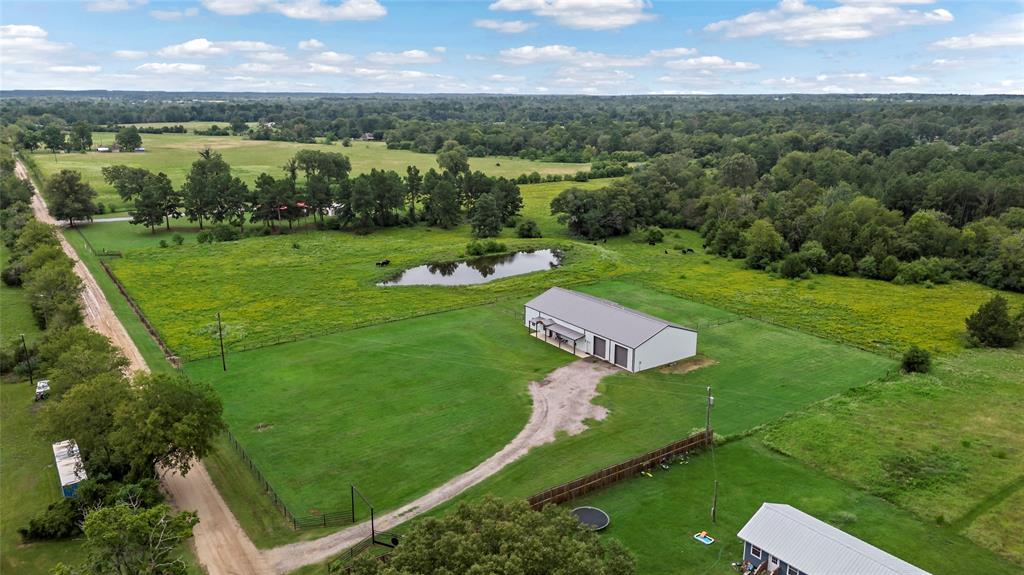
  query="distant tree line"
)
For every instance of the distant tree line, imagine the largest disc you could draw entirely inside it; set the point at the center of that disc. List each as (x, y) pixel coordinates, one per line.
(314, 184)
(926, 213)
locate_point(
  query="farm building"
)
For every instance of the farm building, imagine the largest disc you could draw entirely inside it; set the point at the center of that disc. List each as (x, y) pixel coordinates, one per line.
(604, 329)
(784, 540)
(69, 466)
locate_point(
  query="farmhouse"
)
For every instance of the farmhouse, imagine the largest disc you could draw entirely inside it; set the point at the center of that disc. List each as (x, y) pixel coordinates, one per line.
(69, 466)
(784, 540)
(590, 325)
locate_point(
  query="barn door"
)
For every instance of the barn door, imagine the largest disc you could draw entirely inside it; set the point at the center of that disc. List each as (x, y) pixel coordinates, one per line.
(621, 356)
(599, 347)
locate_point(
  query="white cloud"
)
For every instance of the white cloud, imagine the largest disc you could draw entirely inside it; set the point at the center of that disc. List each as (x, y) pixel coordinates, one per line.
(585, 14)
(171, 68)
(201, 47)
(113, 5)
(301, 9)
(568, 54)
(505, 78)
(311, 44)
(1009, 35)
(797, 21)
(672, 52)
(711, 63)
(440, 49)
(904, 80)
(406, 57)
(22, 31)
(27, 43)
(74, 69)
(318, 68)
(591, 78)
(846, 83)
(334, 57)
(174, 15)
(129, 54)
(504, 26)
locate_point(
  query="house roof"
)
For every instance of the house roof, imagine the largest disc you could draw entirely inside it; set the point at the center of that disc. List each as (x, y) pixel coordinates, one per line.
(600, 316)
(69, 462)
(815, 547)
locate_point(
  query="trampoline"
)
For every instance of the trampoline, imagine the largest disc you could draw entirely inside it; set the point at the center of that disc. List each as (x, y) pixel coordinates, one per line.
(592, 518)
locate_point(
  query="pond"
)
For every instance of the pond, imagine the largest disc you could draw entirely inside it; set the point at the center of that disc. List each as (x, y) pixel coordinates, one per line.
(477, 270)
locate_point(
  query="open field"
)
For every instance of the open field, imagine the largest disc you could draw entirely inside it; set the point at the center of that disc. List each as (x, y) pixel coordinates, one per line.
(15, 314)
(296, 388)
(173, 154)
(947, 446)
(657, 517)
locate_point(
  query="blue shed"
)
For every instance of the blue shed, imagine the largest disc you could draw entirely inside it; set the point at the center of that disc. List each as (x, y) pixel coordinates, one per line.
(69, 466)
(782, 540)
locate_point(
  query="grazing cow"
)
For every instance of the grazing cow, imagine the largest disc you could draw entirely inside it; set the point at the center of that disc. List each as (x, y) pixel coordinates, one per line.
(383, 263)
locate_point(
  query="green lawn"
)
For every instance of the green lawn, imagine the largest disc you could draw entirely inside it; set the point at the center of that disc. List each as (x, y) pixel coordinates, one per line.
(948, 446)
(173, 154)
(395, 409)
(656, 517)
(15, 314)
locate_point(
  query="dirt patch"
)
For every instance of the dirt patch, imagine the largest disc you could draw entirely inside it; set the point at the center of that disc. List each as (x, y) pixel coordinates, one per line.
(264, 426)
(691, 364)
(561, 402)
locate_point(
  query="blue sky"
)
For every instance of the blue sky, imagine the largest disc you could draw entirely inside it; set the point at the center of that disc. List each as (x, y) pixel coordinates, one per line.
(515, 46)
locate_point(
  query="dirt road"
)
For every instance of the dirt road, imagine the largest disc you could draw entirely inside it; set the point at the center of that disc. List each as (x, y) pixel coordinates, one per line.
(221, 545)
(561, 402)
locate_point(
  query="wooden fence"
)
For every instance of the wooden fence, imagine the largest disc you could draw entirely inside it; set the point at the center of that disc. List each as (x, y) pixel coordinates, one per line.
(616, 473)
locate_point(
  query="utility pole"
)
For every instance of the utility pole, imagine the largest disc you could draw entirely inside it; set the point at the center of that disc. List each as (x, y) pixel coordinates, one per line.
(220, 333)
(714, 503)
(28, 360)
(707, 424)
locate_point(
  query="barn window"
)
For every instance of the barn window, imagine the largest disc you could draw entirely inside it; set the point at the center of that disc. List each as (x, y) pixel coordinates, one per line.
(755, 551)
(790, 570)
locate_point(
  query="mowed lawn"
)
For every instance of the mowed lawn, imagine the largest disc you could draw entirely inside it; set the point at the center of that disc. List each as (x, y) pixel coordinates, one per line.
(395, 409)
(283, 288)
(657, 516)
(173, 154)
(15, 314)
(760, 372)
(948, 446)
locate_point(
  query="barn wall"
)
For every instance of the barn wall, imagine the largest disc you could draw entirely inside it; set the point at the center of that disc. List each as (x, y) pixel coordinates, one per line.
(670, 344)
(588, 346)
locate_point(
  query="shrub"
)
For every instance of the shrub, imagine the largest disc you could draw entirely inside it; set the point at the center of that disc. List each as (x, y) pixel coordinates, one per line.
(867, 267)
(814, 256)
(59, 521)
(654, 235)
(101, 208)
(840, 265)
(793, 266)
(479, 248)
(178, 239)
(204, 237)
(990, 325)
(163, 243)
(224, 233)
(528, 229)
(889, 268)
(935, 270)
(917, 360)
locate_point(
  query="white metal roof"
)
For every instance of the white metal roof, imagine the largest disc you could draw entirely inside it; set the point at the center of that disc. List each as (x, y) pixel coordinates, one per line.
(817, 548)
(69, 462)
(600, 316)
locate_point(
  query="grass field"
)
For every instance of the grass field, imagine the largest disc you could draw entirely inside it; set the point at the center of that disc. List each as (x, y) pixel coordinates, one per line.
(173, 154)
(331, 391)
(15, 314)
(321, 414)
(657, 517)
(948, 446)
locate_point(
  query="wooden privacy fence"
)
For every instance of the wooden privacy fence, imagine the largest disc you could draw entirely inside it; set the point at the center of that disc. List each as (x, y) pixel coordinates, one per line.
(616, 473)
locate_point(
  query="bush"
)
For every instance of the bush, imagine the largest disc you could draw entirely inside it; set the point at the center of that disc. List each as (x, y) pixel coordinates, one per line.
(479, 248)
(867, 267)
(204, 237)
(793, 266)
(889, 268)
(990, 325)
(178, 239)
(224, 233)
(917, 360)
(528, 229)
(163, 243)
(840, 265)
(814, 256)
(59, 521)
(654, 235)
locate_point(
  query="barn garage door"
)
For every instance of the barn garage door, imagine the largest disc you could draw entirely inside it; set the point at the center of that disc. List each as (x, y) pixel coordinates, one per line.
(621, 355)
(600, 347)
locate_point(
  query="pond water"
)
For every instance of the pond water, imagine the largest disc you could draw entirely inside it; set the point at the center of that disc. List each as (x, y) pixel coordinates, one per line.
(477, 270)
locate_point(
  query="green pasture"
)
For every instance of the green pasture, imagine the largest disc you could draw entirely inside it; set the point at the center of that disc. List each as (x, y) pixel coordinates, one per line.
(173, 154)
(657, 516)
(395, 409)
(947, 446)
(329, 403)
(15, 314)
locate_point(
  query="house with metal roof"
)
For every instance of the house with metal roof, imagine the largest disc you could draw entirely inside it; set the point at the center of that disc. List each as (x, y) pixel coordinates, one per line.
(592, 326)
(69, 466)
(781, 539)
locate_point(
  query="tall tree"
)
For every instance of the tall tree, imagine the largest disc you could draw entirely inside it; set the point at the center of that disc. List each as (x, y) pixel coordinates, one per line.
(80, 137)
(68, 197)
(485, 217)
(209, 178)
(53, 138)
(128, 138)
(442, 207)
(764, 244)
(413, 184)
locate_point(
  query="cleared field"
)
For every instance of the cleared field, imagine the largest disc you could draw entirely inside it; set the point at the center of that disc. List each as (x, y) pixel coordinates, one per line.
(15, 315)
(657, 517)
(947, 446)
(396, 409)
(267, 290)
(173, 154)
